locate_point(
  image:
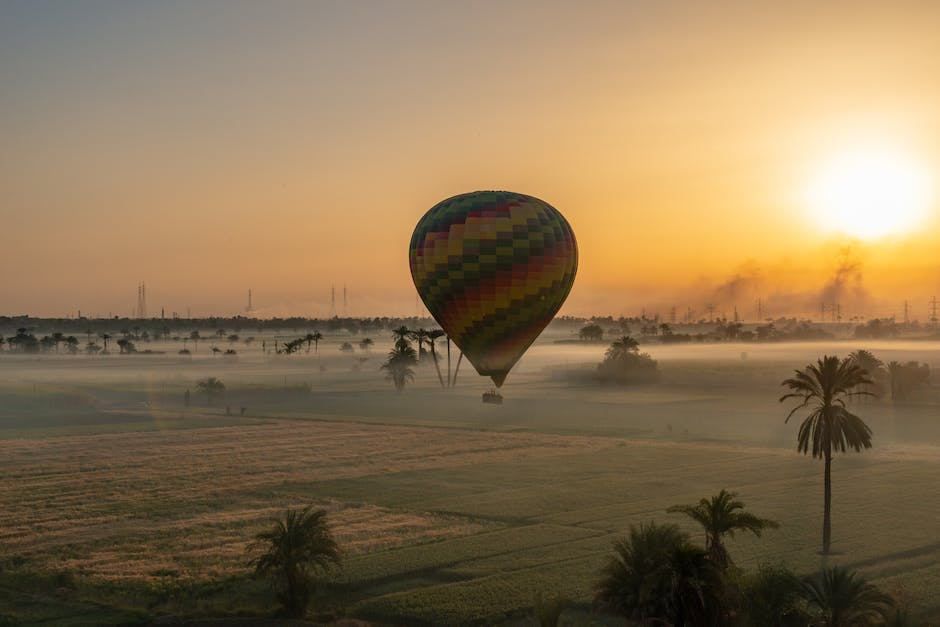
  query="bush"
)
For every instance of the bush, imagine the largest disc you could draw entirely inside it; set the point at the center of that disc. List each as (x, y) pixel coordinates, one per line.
(623, 363)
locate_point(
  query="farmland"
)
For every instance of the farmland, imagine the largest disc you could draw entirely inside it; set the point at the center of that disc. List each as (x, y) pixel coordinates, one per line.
(120, 503)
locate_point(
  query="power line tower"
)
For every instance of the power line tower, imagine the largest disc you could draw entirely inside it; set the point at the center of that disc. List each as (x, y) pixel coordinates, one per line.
(933, 311)
(344, 300)
(907, 313)
(711, 312)
(760, 310)
(332, 301)
(672, 314)
(141, 300)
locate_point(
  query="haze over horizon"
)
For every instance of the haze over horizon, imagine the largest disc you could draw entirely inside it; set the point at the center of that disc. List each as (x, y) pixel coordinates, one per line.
(211, 147)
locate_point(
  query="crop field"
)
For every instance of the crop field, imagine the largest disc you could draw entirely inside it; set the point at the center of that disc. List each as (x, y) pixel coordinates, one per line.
(120, 503)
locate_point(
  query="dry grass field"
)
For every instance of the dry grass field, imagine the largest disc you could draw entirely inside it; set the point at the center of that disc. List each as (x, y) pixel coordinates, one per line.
(120, 504)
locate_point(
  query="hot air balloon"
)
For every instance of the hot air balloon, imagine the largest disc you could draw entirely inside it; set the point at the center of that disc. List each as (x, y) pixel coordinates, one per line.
(493, 268)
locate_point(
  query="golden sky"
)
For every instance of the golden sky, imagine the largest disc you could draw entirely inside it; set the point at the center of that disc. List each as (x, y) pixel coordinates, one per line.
(206, 148)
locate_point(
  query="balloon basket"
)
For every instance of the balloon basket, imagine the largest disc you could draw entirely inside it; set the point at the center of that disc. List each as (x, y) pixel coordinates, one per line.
(493, 397)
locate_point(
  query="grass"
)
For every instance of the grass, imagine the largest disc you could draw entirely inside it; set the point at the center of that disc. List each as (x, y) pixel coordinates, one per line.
(119, 505)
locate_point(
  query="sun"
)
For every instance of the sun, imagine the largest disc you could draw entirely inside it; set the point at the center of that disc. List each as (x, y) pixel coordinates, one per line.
(870, 194)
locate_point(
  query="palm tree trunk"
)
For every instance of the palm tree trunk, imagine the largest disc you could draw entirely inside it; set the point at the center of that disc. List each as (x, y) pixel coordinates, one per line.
(449, 380)
(827, 506)
(437, 367)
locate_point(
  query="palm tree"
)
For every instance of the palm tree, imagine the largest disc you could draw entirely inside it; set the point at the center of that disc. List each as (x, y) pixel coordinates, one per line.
(316, 336)
(210, 386)
(824, 388)
(366, 343)
(896, 380)
(293, 345)
(399, 363)
(875, 368)
(434, 335)
(720, 516)
(694, 588)
(104, 338)
(401, 333)
(904, 378)
(655, 573)
(420, 336)
(621, 347)
(842, 598)
(294, 549)
(195, 337)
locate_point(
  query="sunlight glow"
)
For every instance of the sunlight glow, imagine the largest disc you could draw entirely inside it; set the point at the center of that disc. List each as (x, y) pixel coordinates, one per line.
(870, 194)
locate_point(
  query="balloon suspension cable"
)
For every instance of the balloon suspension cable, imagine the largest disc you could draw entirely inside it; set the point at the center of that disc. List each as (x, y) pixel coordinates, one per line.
(457, 369)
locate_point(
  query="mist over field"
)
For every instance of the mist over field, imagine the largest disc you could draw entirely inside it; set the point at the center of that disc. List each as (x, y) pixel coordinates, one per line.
(449, 510)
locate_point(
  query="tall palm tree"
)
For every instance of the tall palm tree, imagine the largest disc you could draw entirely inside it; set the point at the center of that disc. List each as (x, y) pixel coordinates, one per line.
(720, 516)
(842, 598)
(824, 388)
(294, 549)
(420, 336)
(104, 338)
(316, 336)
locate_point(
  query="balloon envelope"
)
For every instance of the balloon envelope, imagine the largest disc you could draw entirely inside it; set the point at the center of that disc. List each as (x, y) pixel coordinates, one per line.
(493, 268)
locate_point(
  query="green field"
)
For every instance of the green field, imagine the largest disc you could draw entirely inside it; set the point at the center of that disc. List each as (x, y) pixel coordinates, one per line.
(118, 504)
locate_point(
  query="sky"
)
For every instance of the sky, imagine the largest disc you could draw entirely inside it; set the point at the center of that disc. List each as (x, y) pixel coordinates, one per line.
(208, 148)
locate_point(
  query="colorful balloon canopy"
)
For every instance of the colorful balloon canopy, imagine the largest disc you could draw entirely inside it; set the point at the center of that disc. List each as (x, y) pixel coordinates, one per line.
(493, 268)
